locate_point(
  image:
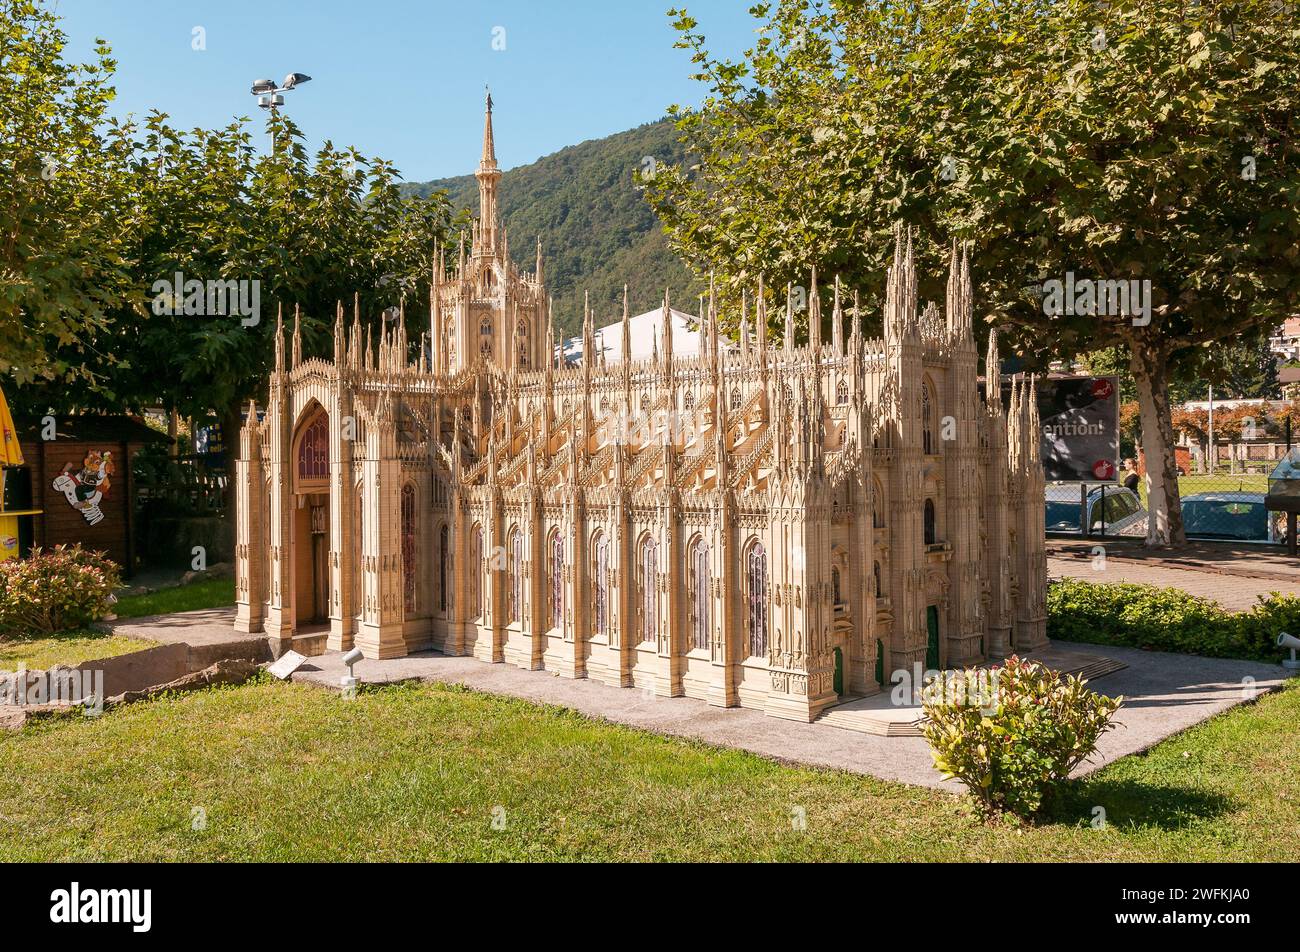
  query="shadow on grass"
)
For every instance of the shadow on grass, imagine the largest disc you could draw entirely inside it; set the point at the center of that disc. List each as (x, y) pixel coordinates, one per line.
(1136, 803)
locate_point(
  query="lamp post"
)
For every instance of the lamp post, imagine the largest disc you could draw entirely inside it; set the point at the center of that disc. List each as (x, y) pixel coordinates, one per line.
(269, 96)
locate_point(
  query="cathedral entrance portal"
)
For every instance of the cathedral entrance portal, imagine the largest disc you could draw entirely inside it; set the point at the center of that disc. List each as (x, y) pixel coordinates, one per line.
(311, 519)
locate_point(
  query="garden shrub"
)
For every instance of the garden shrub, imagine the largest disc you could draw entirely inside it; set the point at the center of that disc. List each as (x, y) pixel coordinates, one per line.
(55, 590)
(1167, 619)
(1012, 734)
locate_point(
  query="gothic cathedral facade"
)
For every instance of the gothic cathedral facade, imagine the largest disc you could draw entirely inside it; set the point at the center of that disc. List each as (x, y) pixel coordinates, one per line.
(773, 524)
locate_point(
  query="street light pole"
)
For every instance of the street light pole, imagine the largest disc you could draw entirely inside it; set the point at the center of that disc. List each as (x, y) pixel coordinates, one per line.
(269, 96)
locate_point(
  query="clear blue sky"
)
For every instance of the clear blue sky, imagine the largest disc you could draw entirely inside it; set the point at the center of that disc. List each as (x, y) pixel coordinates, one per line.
(403, 79)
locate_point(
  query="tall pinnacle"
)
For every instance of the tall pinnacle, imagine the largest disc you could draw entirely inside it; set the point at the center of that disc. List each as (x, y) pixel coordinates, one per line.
(489, 160)
(488, 176)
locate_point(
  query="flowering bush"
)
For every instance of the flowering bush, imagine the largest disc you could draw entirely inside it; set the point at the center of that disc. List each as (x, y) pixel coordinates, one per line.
(1013, 734)
(55, 590)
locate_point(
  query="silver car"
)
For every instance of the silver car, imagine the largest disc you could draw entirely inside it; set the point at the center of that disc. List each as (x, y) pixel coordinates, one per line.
(1116, 510)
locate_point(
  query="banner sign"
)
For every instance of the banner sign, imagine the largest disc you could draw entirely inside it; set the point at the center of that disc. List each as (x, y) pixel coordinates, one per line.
(1080, 421)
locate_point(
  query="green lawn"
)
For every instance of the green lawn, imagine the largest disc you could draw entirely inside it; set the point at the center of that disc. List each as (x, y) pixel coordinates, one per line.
(210, 593)
(270, 771)
(74, 647)
(67, 648)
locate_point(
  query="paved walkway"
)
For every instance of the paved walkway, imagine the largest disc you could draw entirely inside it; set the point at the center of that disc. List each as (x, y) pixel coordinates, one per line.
(210, 634)
(1164, 693)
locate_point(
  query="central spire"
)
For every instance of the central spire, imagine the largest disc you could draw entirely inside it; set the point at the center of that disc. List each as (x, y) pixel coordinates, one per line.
(488, 176)
(489, 160)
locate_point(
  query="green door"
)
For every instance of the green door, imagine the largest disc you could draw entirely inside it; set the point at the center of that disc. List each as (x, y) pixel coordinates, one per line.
(839, 671)
(932, 645)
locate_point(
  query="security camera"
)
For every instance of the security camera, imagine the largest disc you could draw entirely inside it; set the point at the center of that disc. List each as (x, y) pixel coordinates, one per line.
(1289, 641)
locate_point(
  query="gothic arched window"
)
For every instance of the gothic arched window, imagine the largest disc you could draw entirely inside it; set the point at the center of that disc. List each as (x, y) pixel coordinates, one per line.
(476, 577)
(877, 506)
(835, 585)
(444, 569)
(927, 418)
(408, 548)
(841, 392)
(756, 599)
(314, 449)
(648, 576)
(929, 522)
(485, 327)
(600, 584)
(699, 592)
(735, 399)
(875, 571)
(688, 401)
(516, 606)
(555, 577)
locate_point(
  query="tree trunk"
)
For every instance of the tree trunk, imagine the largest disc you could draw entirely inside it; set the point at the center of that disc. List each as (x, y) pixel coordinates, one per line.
(1165, 512)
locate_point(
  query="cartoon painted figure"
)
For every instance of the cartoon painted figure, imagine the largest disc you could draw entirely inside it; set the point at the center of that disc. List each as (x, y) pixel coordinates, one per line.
(85, 488)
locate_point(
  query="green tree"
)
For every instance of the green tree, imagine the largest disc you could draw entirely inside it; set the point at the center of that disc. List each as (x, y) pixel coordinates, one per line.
(62, 192)
(1139, 141)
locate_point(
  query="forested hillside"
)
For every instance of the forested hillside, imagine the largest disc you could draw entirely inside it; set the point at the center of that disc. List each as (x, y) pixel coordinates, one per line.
(596, 230)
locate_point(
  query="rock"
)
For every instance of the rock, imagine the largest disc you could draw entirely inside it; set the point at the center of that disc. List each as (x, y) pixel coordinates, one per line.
(226, 671)
(221, 570)
(14, 717)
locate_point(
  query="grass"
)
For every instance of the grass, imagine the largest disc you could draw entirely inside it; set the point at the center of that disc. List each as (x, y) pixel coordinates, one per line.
(74, 647)
(209, 593)
(66, 648)
(272, 771)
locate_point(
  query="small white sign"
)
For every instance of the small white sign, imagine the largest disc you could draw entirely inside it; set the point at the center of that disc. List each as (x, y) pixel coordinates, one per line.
(286, 664)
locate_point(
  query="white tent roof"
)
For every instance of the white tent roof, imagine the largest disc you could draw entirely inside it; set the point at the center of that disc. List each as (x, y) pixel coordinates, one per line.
(644, 330)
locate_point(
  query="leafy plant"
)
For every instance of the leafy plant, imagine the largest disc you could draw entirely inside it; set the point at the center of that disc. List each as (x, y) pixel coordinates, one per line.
(1167, 619)
(55, 590)
(1012, 734)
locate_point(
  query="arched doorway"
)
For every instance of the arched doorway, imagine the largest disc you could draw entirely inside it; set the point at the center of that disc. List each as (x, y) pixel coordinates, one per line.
(310, 515)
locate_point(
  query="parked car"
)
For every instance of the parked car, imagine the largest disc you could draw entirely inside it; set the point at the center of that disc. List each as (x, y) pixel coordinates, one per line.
(1233, 516)
(1116, 508)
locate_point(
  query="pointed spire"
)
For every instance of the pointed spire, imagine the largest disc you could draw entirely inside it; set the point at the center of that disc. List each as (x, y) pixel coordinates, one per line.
(993, 375)
(279, 337)
(297, 337)
(489, 159)
(538, 275)
(837, 321)
(668, 331)
(627, 329)
(744, 324)
(789, 316)
(814, 314)
(338, 333)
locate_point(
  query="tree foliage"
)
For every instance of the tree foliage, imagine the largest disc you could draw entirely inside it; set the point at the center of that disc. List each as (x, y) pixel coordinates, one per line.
(1147, 141)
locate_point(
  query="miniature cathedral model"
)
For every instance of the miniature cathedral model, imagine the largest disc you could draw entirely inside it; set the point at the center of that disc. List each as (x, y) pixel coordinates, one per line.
(771, 525)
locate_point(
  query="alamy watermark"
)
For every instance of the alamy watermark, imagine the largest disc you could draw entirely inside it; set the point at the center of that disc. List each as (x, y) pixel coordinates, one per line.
(194, 298)
(1089, 297)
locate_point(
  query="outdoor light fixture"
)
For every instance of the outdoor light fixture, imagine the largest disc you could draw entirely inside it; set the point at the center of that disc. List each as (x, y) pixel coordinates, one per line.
(349, 680)
(1289, 641)
(268, 94)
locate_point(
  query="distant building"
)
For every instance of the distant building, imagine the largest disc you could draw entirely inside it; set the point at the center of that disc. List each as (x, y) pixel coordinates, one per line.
(1285, 341)
(772, 525)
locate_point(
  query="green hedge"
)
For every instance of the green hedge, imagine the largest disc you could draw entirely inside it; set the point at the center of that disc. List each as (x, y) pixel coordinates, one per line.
(1167, 619)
